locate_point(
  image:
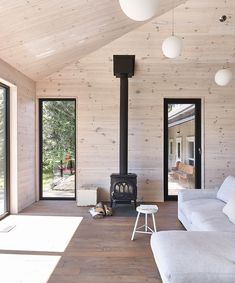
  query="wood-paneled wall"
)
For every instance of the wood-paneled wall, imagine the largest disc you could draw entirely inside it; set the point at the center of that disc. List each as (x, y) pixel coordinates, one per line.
(26, 92)
(191, 75)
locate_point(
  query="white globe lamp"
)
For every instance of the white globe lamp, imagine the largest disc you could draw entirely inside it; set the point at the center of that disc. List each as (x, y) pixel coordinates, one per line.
(172, 46)
(223, 77)
(139, 10)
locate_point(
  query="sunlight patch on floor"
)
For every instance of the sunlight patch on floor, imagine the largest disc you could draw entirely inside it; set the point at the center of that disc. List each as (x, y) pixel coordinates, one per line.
(38, 233)
(27, 268)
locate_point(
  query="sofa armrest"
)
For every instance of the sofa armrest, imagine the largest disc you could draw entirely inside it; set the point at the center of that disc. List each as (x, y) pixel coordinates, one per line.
(190, 194)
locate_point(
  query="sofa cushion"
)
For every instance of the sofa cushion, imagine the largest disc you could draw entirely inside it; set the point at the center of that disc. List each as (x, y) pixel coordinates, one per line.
(201, 221)
(226, 189)
(208, 206)
(229, 209)
(206, 257)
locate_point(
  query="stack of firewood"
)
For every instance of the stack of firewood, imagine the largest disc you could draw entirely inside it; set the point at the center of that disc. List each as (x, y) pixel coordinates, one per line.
(100, 210)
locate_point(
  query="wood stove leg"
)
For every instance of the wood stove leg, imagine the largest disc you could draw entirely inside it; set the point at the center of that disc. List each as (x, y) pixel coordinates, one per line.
(135, 203)
(111, 203)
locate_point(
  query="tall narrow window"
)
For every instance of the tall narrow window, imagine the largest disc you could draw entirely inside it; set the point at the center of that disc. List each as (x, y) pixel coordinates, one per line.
(191, 150)
(4, 150)
(170, 146)
(57, 148)
(178, 149)
(182, 162)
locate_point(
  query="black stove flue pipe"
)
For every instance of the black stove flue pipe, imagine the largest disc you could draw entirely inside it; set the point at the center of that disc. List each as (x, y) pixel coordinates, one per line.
(123, 138)
(123, 67)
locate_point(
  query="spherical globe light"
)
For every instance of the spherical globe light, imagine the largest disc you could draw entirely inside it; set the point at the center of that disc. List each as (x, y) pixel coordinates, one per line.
(172, 47)
(223, 77)
(139, 10)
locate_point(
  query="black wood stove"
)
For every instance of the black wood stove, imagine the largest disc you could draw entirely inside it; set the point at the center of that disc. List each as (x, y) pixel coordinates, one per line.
(123, 184)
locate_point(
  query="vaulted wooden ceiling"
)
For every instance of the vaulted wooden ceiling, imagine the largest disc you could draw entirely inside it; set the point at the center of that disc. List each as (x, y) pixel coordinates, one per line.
(39, 37)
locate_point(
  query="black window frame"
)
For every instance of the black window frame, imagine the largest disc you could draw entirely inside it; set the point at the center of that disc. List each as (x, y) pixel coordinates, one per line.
(40, 104)
(197, 159)
(7, 154)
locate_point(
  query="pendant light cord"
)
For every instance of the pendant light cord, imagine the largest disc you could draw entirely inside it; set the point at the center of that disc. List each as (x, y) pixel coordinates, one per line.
(173, 19)
(226, 63)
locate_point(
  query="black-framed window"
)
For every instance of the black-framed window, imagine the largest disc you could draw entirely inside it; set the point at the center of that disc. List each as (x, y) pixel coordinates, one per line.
(4, 151)
(182, 165)
(57, 157)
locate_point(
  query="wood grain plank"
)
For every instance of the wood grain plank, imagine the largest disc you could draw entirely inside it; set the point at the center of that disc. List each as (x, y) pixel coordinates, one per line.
(101, 250)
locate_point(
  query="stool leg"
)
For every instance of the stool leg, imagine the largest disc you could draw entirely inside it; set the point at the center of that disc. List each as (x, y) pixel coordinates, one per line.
(136, 222)
(146, 222)
(154, 224)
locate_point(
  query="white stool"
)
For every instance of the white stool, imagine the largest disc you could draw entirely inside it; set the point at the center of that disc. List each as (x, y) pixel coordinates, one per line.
(146, 209)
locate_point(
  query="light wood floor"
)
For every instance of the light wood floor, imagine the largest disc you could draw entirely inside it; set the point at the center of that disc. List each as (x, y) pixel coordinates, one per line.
(101, 250)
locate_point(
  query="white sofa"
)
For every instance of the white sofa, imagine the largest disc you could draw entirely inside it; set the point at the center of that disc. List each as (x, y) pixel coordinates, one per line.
(201, 210)
(206, 252)
(194, 256)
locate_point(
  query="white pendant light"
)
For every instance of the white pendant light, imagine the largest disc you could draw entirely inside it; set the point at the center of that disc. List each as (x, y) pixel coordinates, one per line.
(223, 77)
(172, 45)
(139, 10)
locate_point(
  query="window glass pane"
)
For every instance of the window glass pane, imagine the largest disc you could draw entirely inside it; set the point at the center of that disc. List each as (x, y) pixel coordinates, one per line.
(58, 148)
(181, 126)
(191, 149)
(178, 150)
(3, 152)
(171, 147)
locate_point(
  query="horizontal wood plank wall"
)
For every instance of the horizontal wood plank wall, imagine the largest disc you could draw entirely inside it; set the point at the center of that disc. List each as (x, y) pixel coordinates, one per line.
(26, 92)
(91, 80)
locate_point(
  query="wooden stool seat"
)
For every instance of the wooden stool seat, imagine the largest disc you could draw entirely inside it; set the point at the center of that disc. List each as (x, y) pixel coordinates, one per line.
(147, 209)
